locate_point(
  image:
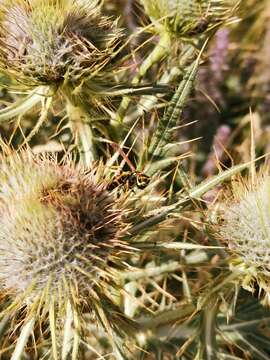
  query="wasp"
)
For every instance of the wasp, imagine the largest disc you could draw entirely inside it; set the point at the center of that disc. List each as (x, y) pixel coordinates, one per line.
(128, 179)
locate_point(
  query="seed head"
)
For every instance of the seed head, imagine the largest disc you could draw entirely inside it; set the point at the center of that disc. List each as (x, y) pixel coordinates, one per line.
(245, 228)
(187, 18)
(47, 42)
(60, 241)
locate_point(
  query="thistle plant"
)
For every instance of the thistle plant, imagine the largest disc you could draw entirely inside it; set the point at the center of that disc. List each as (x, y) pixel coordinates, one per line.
(117, 257)
(61, 249)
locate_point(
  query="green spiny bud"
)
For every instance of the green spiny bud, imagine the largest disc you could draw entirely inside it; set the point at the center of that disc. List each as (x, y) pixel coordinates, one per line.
(47, 42)
(187, 18)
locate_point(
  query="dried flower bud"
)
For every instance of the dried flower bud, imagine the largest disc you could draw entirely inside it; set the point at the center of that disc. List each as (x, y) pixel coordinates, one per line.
(245, 228)
(47, 42)
(189, 17)
(60, 235)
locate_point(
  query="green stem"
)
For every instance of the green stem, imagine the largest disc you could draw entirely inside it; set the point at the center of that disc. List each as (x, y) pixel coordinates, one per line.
(151, 272)
(161, 50)
(208, 346)
(147, 103)
(166, 317)
(80, 127)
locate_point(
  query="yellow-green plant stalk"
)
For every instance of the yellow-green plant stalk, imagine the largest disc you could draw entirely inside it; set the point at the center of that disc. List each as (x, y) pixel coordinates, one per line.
(244, 226)
(64, 47)
(60, 251)
(161, 50)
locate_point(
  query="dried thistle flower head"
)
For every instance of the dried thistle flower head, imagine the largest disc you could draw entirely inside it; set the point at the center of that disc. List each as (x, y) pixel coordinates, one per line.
(60, 244)
(187, 18)
(245, 228)
(47, 42)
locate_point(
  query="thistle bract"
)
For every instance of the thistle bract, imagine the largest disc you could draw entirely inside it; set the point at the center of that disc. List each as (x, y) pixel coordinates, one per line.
(186, 18)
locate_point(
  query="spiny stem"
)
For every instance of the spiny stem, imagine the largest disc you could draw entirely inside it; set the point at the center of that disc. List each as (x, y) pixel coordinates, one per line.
(151, 272)
(167, 317)
(148, 102)
(82, 131)
(208, 346)
(160, 51)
